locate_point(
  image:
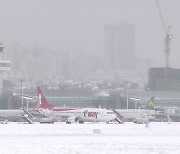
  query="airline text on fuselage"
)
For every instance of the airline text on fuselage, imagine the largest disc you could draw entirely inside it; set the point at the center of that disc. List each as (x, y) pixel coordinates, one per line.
(90, 114)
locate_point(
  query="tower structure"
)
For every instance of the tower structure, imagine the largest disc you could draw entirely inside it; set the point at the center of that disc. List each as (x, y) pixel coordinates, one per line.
(167, 47)
(5, 65)
(168, 36)
(120, 45)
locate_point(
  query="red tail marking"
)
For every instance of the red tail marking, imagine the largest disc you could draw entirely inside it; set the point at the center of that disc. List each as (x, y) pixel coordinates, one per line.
(44, 102)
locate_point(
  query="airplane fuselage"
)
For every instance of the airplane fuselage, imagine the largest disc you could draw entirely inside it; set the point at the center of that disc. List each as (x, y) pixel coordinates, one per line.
(136, 113)
(11, 115)
(88, 114)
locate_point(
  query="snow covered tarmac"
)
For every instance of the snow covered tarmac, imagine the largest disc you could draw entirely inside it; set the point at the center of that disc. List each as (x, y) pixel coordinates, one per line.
(61, 138)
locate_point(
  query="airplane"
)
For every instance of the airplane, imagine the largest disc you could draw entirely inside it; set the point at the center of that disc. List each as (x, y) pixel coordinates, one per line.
(24, 115)
(77, 115)
(11, 114)
(139, 115)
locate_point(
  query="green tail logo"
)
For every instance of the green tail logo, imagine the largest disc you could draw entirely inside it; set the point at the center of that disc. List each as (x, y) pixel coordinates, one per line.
(150, 104)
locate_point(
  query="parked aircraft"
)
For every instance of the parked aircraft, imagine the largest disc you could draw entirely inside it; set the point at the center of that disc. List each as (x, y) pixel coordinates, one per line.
(23, 115)
(139, 115)
(77, 115)
(11, 115)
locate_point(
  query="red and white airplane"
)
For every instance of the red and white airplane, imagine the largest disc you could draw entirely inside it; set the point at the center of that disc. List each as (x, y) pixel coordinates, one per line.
(76, 115)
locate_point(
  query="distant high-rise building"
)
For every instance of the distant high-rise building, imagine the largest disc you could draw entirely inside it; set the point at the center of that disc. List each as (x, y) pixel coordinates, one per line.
(5, 65)
(120, 46)
(76, 64)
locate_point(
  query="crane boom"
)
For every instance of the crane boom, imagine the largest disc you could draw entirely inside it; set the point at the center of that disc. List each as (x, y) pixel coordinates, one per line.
(168, 37)
(161, 16)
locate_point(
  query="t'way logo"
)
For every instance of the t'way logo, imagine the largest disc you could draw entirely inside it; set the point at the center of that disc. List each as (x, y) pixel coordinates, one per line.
(90, 114)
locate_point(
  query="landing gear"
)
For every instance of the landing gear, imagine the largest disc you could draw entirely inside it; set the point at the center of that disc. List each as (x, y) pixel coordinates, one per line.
(67, 122)
(81, 122)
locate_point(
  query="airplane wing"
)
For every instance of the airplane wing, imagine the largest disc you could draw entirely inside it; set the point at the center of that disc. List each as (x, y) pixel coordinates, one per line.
(2, 118)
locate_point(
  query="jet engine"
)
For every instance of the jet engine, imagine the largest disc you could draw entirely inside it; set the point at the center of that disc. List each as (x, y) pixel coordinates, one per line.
(74, 119)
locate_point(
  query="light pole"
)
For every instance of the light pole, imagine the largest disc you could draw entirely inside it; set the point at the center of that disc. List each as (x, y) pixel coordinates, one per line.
(127, 94)
(21, 80)
(27, 99)
(127, 97)
(136, 101)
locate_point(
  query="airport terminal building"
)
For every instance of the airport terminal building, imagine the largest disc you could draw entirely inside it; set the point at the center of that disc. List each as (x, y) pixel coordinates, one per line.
(164, 79)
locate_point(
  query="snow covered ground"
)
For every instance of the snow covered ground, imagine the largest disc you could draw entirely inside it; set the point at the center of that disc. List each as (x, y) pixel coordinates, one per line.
(97, 138)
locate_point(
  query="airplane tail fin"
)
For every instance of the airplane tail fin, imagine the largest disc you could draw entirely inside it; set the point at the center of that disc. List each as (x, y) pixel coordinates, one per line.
(42, 101)
(150, 104)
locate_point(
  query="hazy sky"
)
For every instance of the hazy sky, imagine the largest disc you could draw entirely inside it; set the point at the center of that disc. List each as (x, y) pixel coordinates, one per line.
(74, 24)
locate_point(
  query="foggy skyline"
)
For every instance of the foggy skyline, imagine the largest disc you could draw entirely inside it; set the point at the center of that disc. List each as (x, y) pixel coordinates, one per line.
(79, 24)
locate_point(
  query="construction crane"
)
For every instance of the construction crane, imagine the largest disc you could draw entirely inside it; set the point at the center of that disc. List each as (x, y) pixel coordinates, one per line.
(168, 37)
